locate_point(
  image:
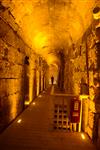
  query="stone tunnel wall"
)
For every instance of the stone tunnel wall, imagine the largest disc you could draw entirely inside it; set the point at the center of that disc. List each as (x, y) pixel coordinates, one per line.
(82, 77)
(12, 53)
(18, 79)
(75, 69)
(81, 73)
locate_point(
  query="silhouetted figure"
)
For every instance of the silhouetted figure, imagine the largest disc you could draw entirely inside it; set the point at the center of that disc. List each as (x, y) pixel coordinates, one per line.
(52, 80)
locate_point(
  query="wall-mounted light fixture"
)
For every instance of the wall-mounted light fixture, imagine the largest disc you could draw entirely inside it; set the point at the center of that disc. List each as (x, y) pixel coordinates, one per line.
(96, 13)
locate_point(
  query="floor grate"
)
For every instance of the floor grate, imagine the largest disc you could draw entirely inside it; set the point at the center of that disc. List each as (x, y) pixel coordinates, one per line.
(60, 120)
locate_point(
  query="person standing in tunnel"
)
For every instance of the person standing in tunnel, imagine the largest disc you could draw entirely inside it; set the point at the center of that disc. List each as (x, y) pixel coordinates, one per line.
(52, 80)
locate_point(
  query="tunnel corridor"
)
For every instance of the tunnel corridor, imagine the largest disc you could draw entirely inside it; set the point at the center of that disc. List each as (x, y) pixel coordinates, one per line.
(34, 129)
(50, 49)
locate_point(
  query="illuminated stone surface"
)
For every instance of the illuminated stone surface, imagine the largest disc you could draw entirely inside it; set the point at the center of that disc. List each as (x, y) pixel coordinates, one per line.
(41, 38)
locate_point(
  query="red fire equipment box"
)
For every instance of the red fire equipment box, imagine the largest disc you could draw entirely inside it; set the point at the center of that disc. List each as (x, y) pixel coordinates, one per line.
(75, 110)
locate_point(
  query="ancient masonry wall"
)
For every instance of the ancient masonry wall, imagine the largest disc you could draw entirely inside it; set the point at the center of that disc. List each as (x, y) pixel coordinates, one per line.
(12, 53)
(18, 71)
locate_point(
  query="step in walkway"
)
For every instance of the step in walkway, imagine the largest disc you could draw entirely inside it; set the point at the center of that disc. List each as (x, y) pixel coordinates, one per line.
(33, 130)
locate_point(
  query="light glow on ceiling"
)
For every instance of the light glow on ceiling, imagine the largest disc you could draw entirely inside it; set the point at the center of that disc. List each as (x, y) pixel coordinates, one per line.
(48, 25)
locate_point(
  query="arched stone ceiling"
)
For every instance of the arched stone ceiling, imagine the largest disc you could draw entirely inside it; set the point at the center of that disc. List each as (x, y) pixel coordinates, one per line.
(50, 25)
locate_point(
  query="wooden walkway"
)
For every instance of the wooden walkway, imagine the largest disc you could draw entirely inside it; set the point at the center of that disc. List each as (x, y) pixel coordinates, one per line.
(35, 130)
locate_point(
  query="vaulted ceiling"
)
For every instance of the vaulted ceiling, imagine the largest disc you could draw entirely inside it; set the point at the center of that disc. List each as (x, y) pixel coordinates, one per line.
(48, 26)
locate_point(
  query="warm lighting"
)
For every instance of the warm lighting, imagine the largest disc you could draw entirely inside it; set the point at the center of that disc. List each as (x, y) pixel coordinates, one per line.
(14, 104)
(27, 103)
(40, 40)
(96, 13)
(83, 96)
(96, 16)
(83, 136)
(31, 84)
(19, 121)
(33, 103)
(52, 90)
(47, 26)
(52, 59)
(53, 71)
(37, 74)
(40, 96)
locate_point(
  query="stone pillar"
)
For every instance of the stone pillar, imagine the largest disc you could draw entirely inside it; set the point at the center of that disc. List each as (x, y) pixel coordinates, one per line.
(61, 71)
(26, 80)
(84, 113)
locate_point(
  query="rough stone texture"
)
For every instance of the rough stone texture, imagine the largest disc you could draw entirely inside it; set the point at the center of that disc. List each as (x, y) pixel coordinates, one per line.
(17, 76)
(44, 27)
(75, 69)
(81, 75)
(68, 77)
(11, 74)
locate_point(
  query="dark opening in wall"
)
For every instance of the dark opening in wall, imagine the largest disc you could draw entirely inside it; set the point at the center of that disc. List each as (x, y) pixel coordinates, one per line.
(98, 32)
(26, 60)
(2, 8)
(96, 10)
(98, 55)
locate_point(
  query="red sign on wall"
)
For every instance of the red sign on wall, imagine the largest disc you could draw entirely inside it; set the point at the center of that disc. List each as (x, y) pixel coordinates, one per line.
(75, 110)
